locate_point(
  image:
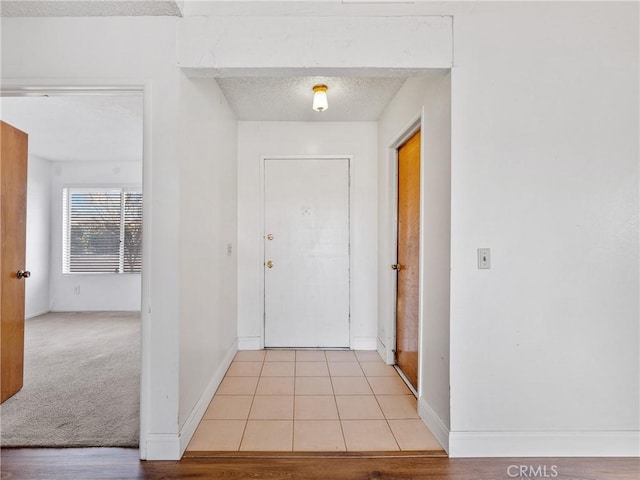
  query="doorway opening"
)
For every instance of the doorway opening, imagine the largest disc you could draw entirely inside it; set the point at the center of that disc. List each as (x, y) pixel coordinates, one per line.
(84, 250)
(264, 133)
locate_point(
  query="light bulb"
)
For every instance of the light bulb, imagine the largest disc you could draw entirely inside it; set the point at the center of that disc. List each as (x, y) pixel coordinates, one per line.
(320, 102)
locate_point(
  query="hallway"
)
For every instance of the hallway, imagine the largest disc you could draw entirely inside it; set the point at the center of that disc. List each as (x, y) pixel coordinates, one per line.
(312, 401)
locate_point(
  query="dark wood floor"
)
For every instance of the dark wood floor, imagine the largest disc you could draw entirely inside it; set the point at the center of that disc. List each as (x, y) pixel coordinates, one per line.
(123, 464)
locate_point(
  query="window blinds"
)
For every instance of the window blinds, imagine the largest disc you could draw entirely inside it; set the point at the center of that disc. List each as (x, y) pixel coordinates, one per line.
(102, 231)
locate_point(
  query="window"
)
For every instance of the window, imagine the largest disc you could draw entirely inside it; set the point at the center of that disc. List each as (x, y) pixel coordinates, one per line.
(102, 230)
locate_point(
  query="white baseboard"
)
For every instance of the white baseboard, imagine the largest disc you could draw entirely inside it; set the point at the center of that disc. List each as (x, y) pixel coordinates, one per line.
(545, 444)
(36, 314)
(250, 343)
(433, 422)
(190, 425)
(163, 446)
(170, 446)
(382, 350)
(364, 343)
(386, 354)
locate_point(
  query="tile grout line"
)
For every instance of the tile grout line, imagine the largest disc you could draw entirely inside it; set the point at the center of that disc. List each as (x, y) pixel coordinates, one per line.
(326, 361)
(293, 414)
(246, 423)
(335, 402)
(375, 395)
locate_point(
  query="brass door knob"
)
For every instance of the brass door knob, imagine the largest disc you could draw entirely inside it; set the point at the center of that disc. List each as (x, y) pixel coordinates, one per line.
(270, 236)
(269, 264)
(23, 274)
(396, 266)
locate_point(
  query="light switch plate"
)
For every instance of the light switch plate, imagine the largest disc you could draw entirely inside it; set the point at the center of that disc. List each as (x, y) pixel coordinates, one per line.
(484, 258)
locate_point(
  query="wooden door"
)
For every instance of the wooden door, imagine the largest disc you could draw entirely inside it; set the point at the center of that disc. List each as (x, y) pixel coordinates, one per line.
(13, 212)
(407, 303)
(306, 247)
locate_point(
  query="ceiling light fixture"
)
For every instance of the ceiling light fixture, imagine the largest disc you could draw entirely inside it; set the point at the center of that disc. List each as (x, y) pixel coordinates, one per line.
(320, 103)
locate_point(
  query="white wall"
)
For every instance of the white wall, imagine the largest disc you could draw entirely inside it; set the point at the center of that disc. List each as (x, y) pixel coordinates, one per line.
(544, 345)
(38, 236)
(127, 51)
(429, 98)
(87, 292)
(257, 139)
(208, 227)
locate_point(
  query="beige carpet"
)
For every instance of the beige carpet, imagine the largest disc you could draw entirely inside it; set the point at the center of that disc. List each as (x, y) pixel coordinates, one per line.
(81, 383)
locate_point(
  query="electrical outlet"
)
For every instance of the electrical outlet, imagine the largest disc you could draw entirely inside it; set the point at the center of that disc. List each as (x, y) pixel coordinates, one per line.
(229, 249)
(484, 258)
(76, 290)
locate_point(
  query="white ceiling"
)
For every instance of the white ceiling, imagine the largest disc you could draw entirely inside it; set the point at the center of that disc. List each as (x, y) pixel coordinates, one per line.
(80, 127)
(91, 8)
(289, 98)
(322, 7)
(93, 127)
(88, 8)
(260, 99)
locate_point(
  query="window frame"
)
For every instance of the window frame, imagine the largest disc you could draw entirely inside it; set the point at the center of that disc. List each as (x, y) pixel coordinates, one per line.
(66, 224)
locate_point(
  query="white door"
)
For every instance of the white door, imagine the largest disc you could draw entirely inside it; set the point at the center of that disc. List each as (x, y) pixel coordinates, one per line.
(306, 273)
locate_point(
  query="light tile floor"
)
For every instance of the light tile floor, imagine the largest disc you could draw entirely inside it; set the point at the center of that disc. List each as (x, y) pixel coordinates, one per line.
(311, 401)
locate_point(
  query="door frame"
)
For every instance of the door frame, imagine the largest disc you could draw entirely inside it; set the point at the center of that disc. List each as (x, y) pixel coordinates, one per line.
(25, 88)
(262, 227)
(415, 125)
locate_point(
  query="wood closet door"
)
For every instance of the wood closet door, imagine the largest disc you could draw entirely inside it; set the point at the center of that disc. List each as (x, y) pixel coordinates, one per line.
(407, 303)
(13, 213)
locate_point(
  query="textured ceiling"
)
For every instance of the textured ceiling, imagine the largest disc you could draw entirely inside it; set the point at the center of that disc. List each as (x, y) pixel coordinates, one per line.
(81, 127)
(93, 127)
(351, 99)
(88, 8)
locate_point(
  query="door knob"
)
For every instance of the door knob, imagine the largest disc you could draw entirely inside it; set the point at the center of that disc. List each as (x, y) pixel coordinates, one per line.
(269, 264)
(396, 266)
(270, 236)
(23, 274)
